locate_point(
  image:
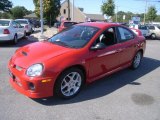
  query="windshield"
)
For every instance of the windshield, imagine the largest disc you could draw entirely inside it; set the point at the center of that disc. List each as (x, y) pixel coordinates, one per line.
(75, 36)
(22, 21)
(4, 23)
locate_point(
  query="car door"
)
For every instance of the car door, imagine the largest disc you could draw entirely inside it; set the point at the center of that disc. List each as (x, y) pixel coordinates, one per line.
(107, 59)
(127, 45)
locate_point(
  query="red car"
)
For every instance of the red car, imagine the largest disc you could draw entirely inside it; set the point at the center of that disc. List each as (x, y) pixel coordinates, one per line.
(81, 54)
(65, 25)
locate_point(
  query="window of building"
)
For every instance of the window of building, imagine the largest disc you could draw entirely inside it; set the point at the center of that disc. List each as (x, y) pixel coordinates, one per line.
(64, 11)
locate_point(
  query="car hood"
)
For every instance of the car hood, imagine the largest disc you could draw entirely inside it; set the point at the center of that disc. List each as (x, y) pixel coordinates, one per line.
(38, 52)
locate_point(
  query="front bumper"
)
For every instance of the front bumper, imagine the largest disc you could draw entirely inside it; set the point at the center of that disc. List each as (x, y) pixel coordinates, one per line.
(43, 87)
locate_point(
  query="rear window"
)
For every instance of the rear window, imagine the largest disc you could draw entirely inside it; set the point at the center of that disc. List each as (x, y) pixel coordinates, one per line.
(22, 21)
(4, 23)
(68, 24)
(142, 27)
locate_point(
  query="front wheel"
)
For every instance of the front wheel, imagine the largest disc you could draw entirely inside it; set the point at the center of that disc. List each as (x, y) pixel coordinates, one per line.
(136, 60)
(69, 83)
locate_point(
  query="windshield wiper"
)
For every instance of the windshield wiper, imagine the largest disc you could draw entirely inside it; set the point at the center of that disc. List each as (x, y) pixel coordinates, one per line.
(60, 43)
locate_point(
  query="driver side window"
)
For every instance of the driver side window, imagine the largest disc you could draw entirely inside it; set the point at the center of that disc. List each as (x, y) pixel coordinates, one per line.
(108, 37)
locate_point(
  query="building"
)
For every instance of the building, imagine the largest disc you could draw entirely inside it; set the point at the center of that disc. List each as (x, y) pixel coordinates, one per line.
(31, 16)
(77, 15)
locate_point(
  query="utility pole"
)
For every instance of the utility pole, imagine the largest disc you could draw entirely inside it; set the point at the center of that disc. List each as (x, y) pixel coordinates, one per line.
(145, 12)
(41, 15)
(116, 13)
(72, 10)
(68, 10)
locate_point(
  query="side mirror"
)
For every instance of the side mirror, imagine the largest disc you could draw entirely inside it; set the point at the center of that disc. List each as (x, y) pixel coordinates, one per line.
(98, 46)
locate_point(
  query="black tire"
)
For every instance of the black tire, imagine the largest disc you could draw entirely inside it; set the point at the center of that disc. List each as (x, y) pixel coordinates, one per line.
(137, 60)
(15, 40)
(68, 84)
(153, 36)
(25, 34)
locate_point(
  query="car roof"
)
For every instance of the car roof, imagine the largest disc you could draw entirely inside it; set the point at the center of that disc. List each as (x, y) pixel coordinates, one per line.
(22, 19)
(99, 24)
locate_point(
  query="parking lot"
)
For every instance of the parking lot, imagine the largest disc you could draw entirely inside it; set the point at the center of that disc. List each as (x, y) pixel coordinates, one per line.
(125, 95)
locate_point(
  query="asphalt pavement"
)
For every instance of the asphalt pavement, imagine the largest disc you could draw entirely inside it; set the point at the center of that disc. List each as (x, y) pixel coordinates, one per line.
(125, 95)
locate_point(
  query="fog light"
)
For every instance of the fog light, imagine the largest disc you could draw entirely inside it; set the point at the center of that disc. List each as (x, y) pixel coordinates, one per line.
(31, 86)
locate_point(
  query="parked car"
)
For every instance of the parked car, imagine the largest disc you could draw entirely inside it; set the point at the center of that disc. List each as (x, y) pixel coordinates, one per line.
(65, 25)
(76, 56)
(154, 31)
(27, 25)
(57, 24)
(137, 31)
(35, 23)
(143, 28)
(10, 30)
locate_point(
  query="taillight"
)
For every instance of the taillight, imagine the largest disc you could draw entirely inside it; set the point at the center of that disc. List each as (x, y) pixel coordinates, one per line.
(26, 26)
(6, 31)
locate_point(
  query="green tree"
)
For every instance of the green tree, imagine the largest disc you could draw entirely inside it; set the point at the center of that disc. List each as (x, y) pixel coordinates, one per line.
(19, 12)
(51, 9)
(108, 8)
(152, 13)
(5, 15)
(5, 5)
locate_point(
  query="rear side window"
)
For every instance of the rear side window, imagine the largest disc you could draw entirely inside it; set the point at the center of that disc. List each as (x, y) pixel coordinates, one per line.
(151, 27)
(125, 34)
(142, 27)
(22, 21)
(4, 23)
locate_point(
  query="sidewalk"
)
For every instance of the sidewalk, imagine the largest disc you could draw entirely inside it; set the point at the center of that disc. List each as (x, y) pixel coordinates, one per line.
(36, 36)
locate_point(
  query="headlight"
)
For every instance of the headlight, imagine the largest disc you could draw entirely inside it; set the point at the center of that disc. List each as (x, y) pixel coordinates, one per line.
(35, 70)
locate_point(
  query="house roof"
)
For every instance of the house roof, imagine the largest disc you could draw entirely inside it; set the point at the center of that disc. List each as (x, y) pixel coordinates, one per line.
(32, 15)
(95, 17)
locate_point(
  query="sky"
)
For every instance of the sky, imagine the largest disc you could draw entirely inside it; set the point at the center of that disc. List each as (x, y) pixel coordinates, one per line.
(93, 6)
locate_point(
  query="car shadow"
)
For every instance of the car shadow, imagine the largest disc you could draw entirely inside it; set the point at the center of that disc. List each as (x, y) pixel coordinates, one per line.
(21, 42)
(107, 84)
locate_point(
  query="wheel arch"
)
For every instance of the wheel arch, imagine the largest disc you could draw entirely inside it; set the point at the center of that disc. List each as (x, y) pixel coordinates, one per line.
(80, 67)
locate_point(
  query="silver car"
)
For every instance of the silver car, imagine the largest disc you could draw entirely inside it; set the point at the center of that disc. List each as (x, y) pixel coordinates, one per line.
(154, 31)
(27, 25)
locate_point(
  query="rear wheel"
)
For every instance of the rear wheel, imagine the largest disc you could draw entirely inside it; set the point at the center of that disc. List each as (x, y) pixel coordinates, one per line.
(153, 36)
(69, 83)
(24, 34)
(136, 60)
(15, 39)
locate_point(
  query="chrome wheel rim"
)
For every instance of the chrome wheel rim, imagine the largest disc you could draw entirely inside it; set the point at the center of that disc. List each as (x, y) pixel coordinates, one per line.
(71, 84)
(137, 59)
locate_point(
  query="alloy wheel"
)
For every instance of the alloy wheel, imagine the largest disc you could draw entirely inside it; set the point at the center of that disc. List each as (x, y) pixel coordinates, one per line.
(71, 84)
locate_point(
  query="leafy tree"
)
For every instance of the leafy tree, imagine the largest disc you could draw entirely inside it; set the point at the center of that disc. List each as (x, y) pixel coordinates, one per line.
(19, 12)
(152, 13)
(108, 8)
(5, 15)
(5, 5)
(51, 9)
